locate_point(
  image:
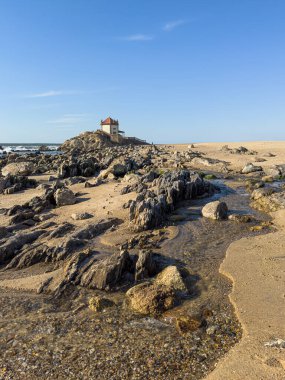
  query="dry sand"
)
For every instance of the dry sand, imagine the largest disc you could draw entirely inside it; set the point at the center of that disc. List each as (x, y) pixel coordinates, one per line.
(238, 161)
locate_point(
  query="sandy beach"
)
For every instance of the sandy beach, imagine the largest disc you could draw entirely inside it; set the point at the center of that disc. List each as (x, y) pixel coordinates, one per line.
(233, 269)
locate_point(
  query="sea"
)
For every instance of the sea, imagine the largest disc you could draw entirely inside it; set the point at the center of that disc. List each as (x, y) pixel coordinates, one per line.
(51, 148)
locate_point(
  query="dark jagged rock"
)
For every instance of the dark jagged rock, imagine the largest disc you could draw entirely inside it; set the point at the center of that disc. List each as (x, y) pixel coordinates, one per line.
(21, 216)
(145, 266)
(61, 230)
(13, 244)
(150, 209)
(92, 230)
(78, 167)
(107, 273)
(11, 184)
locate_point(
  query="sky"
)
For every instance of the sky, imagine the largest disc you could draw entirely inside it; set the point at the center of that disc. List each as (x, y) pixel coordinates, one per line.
(171, 71)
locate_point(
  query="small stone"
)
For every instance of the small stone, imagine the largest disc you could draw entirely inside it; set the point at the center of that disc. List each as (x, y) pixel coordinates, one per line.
(81, 216)
(240, 218)
(185, 324)
(279, 343)
(250, 168)
(98, 303)
(211, 330)
(268, 178)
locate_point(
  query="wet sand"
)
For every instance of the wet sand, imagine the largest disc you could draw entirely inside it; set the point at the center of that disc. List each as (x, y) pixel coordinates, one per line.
(256, 266)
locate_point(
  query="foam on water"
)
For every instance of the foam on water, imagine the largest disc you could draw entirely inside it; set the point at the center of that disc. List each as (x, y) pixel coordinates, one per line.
(25, 148)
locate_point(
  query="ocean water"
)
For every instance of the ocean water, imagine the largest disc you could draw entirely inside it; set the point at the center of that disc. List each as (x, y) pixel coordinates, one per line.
(52, 148)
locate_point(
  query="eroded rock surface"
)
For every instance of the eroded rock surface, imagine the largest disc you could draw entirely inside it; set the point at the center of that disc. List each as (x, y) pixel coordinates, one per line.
(151, 207)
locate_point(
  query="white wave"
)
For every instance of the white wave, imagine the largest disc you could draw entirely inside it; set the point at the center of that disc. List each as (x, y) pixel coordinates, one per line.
(26, 148)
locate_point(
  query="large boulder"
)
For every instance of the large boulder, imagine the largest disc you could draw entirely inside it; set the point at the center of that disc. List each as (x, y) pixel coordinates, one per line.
(64, 197)
(18, 168)
(151, 299)
(215, 210)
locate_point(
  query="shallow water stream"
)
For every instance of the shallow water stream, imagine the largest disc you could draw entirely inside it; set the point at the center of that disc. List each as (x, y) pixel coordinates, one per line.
(201, 245)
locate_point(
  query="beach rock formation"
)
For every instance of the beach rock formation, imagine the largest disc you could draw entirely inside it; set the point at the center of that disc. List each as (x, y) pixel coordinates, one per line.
(151, 207)
(88, 141)
(240, 150)
(145, 266)
(10, 184)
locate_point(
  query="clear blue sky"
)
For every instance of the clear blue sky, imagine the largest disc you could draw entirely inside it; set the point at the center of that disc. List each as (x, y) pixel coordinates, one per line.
(170, 70)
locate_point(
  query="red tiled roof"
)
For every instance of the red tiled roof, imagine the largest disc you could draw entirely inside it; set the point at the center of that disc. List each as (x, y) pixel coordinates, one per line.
(109, 121)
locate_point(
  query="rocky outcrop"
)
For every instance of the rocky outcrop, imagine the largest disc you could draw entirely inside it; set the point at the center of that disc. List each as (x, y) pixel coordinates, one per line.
(145, 266)
(11, 184)
(240, 150)
(210, 162)
(85, 167)
(151, 207)
(12, 245)
(107, 273)
(88, 141)
(85, 142)
(215, 210)
(21, 253)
